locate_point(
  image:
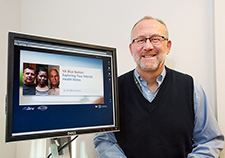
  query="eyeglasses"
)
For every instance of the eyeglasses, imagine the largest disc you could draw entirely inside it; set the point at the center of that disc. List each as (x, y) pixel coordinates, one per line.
(153, 39)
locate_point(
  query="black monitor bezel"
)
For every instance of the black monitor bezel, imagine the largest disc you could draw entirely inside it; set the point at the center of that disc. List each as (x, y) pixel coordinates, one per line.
(10, 83)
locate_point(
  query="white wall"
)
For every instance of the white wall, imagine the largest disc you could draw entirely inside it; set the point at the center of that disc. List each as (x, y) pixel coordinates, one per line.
(109, 23)
(10, 19)
(220, 64)
(191, 28)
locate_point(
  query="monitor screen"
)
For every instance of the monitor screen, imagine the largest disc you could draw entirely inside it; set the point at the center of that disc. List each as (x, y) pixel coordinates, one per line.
(59, 88)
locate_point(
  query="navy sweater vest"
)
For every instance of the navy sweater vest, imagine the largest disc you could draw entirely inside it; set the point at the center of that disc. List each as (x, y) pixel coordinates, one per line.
(162, 128)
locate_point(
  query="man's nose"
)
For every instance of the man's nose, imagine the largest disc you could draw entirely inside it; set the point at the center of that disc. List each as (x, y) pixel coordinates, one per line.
(148, 45)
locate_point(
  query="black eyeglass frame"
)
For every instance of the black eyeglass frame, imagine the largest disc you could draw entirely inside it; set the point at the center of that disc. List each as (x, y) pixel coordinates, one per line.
(145, 39)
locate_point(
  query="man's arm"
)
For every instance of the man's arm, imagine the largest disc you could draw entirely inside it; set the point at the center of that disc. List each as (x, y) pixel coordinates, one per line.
(107, 147)
(207, 137)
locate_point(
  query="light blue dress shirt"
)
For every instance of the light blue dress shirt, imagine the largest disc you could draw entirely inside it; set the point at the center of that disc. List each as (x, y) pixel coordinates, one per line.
(207, 136)
(147, 93)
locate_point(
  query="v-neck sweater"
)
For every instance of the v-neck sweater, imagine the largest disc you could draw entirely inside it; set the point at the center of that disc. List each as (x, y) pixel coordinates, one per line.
(161, 128)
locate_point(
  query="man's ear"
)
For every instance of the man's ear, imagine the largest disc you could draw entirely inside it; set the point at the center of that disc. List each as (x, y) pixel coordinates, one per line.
(130, 47)
(169, 45)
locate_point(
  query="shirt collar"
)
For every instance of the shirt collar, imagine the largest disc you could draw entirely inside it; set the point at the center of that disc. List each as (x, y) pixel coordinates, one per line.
(159, 79)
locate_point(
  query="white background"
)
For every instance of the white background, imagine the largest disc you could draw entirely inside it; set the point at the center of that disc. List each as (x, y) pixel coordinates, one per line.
(195, 28)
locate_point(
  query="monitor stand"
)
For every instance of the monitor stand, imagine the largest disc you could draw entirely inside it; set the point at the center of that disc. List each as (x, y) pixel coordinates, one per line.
(56, 143)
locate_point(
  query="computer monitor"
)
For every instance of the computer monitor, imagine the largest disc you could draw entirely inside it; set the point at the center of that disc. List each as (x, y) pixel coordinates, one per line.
(59, 88)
